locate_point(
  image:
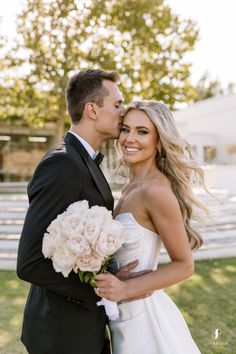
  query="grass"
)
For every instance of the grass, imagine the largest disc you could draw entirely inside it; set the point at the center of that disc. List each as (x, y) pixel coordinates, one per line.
(207, 301)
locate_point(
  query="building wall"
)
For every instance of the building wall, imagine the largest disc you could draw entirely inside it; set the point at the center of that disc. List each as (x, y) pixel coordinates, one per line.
(20, 164)
(211, 122)
(221, 177)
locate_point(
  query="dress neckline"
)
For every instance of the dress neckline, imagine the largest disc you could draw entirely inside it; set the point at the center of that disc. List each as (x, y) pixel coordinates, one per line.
(136, 222)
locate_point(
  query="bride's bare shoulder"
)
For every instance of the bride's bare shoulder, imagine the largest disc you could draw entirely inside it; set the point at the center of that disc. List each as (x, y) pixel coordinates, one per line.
(158, 192)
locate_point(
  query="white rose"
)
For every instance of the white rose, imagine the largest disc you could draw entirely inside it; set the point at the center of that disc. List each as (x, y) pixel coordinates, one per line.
(102, 215)
(91, 263)
(91, 231)
(63, 260)
(110, 239)
(79, 246)
(72, 226)
(79, 207)
(55, 227)
(49, 245)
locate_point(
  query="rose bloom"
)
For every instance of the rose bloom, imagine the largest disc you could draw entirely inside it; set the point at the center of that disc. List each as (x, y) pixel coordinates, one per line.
(49, 245)
(91, 232)
(63, 260)
(72, 226)
(99, 214)
(79, 246)
(91, 263)
(110, 239)
(81, 207)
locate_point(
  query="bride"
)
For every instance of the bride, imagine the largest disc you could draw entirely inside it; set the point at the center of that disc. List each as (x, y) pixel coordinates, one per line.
(156, 207)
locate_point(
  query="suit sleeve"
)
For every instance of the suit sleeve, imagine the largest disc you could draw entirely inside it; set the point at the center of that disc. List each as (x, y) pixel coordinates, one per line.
(55, 185)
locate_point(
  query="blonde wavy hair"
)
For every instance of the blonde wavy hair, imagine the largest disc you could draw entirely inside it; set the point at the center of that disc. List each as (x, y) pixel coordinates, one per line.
(177, 160)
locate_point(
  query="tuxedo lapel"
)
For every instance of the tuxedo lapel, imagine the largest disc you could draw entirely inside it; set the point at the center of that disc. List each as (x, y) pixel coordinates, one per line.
(95, 171)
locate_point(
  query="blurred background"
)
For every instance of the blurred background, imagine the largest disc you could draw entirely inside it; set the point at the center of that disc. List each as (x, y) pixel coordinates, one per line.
(180, 52)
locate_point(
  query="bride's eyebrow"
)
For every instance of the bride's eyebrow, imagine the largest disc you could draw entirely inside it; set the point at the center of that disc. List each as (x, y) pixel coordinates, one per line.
(138, 127)
(142, 127)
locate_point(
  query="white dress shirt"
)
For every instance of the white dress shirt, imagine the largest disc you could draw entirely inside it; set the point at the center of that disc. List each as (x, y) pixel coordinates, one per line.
(86, 145)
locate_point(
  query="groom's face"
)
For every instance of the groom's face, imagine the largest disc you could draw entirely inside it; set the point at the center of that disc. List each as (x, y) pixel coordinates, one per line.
(109, 116)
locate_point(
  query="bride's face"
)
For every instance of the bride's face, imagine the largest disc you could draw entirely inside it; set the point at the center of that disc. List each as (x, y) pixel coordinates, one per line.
(138, 138)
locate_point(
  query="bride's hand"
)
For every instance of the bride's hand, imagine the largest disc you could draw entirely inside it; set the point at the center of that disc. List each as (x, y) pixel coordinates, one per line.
(110, 287)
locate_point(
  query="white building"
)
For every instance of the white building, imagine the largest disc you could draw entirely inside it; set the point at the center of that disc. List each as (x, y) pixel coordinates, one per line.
(210, 125)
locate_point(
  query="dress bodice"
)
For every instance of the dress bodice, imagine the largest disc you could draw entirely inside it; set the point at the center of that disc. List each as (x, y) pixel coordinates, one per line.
(140, 244)
(151, 324)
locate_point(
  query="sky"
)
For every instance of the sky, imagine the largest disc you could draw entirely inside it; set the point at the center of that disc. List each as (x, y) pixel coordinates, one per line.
(215, 52)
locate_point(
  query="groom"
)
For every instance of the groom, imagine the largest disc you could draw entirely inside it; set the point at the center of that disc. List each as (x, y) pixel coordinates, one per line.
(61, 315)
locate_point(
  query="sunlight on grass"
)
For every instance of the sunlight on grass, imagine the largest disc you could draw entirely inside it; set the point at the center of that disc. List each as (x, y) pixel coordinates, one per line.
(12, 284)
(16, 320)
(18, 301)
(5, 338)
(211, 304)
(218, 276)
(196, 279)
(230, 268)
(206, 300)
(2, 298)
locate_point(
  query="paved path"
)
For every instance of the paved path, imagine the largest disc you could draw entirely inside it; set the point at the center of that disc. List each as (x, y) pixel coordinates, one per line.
(219, 237)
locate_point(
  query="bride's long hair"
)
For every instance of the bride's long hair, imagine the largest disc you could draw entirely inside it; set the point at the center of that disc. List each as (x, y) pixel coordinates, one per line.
(176, 159)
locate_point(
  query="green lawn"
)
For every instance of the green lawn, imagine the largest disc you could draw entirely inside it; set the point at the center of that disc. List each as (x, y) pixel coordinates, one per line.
(207, 301)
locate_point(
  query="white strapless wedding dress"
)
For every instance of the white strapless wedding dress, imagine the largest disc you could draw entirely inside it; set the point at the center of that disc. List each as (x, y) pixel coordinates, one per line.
(153, 325)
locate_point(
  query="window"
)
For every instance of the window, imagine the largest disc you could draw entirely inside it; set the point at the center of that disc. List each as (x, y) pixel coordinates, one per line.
(209, 153)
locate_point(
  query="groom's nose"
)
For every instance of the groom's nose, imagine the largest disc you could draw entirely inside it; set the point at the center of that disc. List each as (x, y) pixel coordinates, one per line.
(122, 111)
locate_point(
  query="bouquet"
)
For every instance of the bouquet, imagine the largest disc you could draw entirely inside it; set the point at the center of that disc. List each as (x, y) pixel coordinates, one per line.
(82, 240)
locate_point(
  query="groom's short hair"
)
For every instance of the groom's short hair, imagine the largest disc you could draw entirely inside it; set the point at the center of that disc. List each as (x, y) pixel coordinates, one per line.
(86, 86)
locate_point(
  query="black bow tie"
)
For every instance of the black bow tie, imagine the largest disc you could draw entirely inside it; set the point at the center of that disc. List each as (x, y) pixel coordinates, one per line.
(98, 159)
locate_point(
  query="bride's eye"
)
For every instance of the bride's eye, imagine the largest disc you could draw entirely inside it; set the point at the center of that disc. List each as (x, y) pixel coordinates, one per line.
(142, 132)
(124, 130)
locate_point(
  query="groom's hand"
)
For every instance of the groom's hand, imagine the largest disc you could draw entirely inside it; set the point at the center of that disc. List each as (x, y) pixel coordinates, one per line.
(125, 273)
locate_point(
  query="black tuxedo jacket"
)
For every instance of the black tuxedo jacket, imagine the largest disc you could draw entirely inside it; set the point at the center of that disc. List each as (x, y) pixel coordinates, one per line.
(61, 315)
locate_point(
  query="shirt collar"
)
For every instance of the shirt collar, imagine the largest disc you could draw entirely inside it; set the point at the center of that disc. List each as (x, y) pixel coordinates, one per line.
(86, 145)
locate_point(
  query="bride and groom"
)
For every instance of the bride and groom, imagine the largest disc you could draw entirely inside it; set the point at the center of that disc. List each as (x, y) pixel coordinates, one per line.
(61, 315)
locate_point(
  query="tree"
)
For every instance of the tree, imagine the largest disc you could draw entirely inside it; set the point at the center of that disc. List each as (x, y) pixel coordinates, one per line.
(206, 88)
(142, 39)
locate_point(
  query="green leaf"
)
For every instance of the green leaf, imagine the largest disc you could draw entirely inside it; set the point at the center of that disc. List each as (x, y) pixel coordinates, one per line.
(92, 282)
(87, 276)
(81, 276)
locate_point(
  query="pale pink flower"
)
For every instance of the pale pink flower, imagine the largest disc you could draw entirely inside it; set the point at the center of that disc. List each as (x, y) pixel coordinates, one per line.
(110, 239)
(91, 263)
(91, 231)
(63, 260)
(79, 246)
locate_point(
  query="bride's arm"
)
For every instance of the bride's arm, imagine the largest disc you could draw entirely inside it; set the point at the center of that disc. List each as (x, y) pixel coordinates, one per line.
(164, 211)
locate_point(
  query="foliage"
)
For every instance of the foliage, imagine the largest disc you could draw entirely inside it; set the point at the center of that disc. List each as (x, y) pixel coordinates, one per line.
(206, 301)
(142, 39)
(206, 88)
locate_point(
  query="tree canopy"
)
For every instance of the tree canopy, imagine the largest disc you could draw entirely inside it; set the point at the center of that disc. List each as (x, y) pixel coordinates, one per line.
(206, 88)
(142, 39)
